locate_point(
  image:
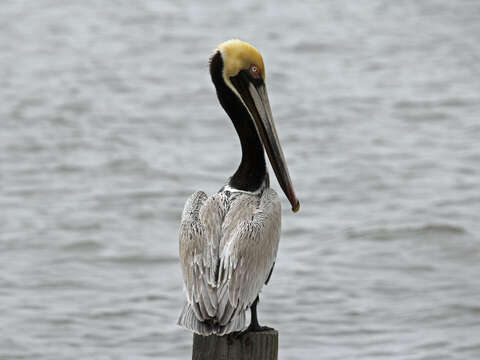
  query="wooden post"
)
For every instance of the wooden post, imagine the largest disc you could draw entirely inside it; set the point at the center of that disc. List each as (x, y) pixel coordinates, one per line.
(251, 346)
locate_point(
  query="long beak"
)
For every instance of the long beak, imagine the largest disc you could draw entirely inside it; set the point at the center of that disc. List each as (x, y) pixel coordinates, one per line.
(262, 115)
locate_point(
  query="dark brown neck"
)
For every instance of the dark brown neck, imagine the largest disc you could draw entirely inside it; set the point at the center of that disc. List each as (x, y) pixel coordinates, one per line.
(252, 172)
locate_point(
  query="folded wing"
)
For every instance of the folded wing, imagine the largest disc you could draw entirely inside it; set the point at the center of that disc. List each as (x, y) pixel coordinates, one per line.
(227, 251)
(200, 232)
(248, 250)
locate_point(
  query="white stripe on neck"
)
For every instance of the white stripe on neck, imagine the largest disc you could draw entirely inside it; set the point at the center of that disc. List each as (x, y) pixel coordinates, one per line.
(256, 192)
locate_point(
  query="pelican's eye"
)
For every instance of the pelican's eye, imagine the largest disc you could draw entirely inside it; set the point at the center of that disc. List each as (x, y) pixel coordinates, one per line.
(255, 71)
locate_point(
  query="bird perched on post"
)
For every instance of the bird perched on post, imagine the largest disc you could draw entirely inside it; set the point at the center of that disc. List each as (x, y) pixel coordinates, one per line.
(229, 240)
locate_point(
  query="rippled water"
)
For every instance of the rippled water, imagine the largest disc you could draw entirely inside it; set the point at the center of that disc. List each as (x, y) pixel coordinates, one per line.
(109, 122)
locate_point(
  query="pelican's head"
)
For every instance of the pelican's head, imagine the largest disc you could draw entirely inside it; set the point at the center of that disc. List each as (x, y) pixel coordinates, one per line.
(243, 71)
(240, 56)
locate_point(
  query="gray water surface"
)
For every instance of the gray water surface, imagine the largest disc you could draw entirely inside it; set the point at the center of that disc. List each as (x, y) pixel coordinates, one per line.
(109, 122)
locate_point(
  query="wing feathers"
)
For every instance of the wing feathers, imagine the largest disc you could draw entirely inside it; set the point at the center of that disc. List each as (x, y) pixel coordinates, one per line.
(227, 250)
(251, 249)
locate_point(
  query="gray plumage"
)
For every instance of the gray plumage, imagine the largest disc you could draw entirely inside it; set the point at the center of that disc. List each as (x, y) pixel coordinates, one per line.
(228, 245)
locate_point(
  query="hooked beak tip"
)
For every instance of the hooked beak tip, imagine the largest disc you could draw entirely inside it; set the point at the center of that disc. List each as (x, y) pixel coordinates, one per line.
(296, 207)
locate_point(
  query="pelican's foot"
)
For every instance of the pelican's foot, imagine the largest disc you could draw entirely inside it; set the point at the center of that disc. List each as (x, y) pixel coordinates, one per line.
(252, 328)
(258, 328)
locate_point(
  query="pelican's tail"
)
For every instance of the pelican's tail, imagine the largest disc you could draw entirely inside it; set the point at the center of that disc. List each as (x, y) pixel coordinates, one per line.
(189, 321)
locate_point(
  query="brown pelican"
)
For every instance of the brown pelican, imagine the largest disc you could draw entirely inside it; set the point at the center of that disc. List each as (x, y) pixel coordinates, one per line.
(229, 241)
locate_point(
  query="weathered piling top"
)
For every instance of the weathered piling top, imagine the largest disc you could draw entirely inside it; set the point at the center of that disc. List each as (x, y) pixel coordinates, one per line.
(250, 346)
